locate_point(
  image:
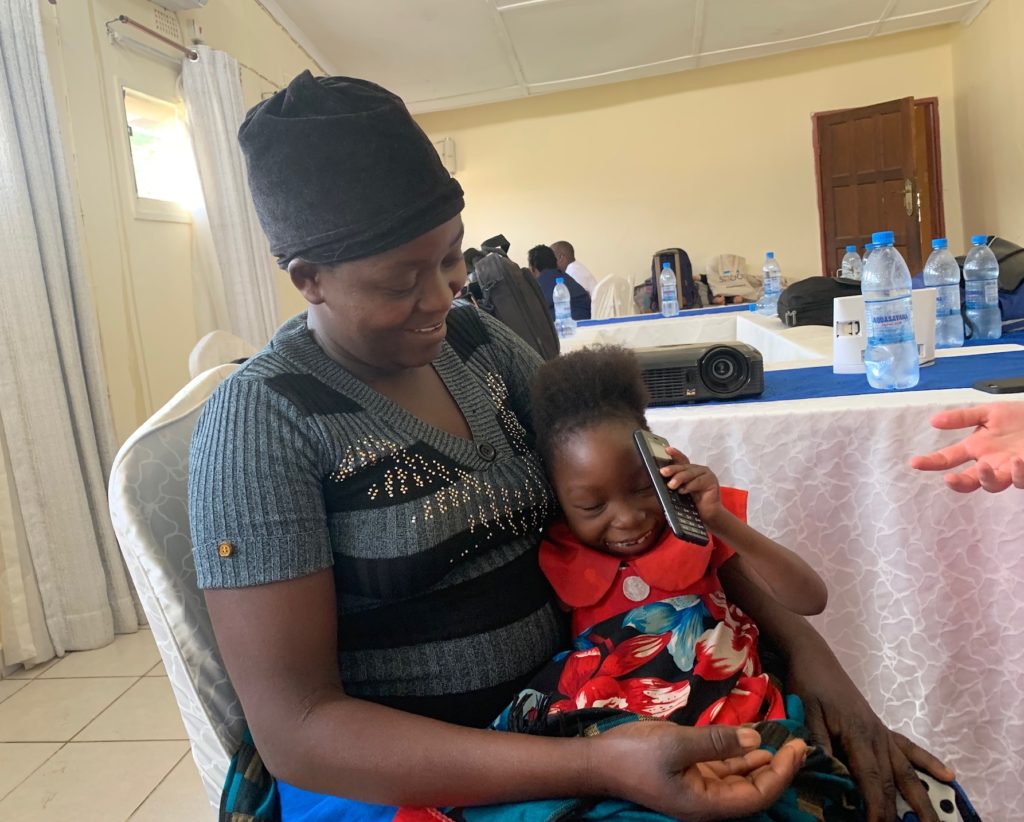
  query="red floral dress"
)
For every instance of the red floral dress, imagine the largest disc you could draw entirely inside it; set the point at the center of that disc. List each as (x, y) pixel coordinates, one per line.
(654, 634)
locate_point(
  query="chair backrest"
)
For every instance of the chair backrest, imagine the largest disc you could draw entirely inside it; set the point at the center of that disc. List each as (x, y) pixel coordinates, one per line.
(613, 297)
(148, 497)
(217, 348)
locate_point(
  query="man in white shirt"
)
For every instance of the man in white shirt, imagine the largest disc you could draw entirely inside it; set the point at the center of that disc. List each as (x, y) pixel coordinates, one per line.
(565, 256)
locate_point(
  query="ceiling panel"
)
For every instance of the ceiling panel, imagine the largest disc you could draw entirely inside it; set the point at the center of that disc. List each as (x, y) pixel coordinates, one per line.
(441, 54)
(422, 50)
(733, 24)
(904, 7)
(579, 38)
(925, 18)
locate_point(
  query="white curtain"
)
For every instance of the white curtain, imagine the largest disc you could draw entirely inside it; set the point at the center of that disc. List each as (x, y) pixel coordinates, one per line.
(58, 555)
(243, 276)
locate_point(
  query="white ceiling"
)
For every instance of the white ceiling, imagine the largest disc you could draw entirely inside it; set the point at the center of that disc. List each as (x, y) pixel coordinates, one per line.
(442, 54)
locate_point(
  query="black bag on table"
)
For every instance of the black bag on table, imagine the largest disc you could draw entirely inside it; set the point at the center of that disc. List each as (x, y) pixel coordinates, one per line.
(809, 302)
(509, 294)
(686, 288)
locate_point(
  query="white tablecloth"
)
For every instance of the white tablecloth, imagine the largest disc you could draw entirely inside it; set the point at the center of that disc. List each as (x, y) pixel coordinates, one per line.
(768, 335)
(926, 607)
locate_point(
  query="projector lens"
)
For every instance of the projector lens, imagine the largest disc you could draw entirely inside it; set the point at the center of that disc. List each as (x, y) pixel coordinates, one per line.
(724, 370)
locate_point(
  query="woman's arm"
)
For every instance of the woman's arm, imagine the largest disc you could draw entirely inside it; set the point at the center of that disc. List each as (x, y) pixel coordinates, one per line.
(784, 575)
(881, 761)
(279, 644)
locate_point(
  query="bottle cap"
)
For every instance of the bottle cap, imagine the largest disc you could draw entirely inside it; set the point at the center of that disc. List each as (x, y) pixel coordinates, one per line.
(851, 248)
(559, 280)
(979, 239)
(666, 265)
(770, 255)
(883, 238)
(939, 242)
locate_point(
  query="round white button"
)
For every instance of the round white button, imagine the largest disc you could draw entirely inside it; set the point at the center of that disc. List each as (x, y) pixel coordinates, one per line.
(635, 589)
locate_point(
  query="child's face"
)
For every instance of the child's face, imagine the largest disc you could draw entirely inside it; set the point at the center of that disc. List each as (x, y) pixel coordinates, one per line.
(605, 491)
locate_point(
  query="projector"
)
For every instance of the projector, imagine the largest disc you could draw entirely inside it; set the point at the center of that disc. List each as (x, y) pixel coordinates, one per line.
(677, 374)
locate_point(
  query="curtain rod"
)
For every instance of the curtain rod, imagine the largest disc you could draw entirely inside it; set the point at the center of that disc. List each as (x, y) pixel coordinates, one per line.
(123, 18)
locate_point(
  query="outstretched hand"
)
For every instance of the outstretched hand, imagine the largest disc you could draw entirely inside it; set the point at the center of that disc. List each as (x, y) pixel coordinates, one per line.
(696, 774)
(996, 446)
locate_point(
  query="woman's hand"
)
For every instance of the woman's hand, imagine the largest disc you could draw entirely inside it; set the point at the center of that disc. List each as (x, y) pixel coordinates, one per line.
(881, 761)
(996, 445)
(696, 774)
(698, 481)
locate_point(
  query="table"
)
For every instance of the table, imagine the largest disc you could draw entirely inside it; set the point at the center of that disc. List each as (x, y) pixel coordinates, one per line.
(776, 342)
(926, 607)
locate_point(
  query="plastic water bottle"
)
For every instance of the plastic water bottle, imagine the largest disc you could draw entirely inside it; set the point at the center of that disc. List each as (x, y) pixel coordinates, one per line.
(890, 358)
(868, 248)
(768, 305)
(852, 265)
(942, 272)
(565, 325)
(981, 274)
(667, 296)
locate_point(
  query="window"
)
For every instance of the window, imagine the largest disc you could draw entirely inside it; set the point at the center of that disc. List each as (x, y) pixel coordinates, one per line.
(163, 165)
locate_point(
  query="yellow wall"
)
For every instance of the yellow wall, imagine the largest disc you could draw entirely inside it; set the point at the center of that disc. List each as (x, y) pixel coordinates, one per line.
(141, 268)
(713, 160)
(988, 77)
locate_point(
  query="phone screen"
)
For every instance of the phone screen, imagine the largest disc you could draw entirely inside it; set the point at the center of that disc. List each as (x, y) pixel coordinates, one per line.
(657, 448)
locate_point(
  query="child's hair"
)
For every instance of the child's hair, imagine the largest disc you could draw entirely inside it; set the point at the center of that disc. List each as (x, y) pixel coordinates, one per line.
(586, 387)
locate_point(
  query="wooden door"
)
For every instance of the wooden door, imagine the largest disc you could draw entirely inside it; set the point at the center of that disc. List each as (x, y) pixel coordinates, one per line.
(867, 179)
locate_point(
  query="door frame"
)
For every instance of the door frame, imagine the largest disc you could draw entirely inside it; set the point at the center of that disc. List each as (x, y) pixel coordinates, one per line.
(931, 113)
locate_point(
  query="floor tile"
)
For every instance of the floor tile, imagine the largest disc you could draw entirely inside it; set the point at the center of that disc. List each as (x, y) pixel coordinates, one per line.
(9, 687)
(128, 655)
(92, 782)
(179, 797)
(157, 670)
(19, 759)
(32, 673)
(54, 710)
(147, 710)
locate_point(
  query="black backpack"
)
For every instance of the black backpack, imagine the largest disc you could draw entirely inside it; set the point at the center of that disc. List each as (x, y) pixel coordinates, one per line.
(686, 288)
(509, 294)
(809, 302)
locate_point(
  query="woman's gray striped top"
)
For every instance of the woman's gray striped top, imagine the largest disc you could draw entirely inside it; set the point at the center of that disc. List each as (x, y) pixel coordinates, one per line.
(299, 466)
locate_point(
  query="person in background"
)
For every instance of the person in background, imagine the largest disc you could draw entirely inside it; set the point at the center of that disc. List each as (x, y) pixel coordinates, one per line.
(996, 445)
(471, 256)
(545, 268)
(565, 257)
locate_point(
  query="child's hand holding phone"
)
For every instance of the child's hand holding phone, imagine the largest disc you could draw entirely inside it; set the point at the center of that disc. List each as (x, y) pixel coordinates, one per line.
(698, 481)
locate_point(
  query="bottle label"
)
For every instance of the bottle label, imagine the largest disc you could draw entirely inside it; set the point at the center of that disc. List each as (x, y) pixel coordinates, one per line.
(981, 294)
(889, 322)
(947, 300)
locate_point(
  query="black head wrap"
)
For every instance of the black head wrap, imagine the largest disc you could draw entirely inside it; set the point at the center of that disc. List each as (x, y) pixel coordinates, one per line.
(339, 170)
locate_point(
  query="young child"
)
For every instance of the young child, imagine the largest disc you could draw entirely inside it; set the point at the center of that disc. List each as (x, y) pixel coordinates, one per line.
(656, 631)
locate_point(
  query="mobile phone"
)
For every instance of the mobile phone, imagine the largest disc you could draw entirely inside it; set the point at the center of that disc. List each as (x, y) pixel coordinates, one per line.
(680, 509)
(1010, 385)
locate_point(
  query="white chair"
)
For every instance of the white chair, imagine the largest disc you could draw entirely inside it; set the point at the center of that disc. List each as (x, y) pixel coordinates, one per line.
(217, 348)
(613, 297)
(149, 508)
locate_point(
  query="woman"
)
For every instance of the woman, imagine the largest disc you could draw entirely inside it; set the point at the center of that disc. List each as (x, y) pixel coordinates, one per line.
(366, 505)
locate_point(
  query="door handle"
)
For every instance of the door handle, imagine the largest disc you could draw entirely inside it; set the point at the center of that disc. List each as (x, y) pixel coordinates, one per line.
(908, 196)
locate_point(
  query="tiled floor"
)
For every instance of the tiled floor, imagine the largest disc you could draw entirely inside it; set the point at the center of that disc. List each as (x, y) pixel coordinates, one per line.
(97, 736)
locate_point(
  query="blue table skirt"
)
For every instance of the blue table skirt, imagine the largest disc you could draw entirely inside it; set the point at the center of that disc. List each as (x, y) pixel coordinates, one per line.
(642, 318)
